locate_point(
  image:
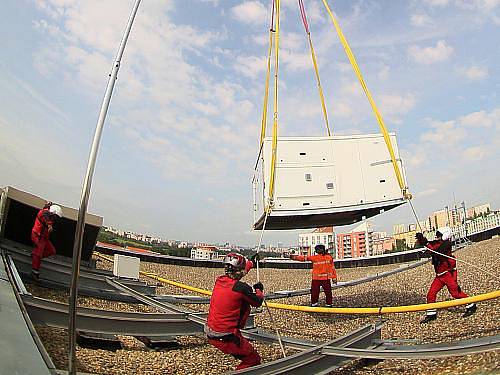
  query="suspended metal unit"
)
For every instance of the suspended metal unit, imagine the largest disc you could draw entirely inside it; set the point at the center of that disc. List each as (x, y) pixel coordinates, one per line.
(322, 181)
(307, 182)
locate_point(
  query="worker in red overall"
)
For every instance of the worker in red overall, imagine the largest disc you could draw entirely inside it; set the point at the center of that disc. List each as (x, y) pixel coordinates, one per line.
(229, 310)
(40, 236)
(445, 266)
(323, 274)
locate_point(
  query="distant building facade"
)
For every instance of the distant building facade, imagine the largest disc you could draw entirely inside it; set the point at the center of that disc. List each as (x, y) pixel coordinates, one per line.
(351, 245)
(475, 211)
(204, 252)
(405, 233)
(382, 243)
(319, 236)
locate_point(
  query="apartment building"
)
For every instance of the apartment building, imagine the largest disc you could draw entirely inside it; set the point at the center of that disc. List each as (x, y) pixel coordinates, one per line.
(319, 236)
(475, 211)
(204, 252)
(351, 245)
(406, 233)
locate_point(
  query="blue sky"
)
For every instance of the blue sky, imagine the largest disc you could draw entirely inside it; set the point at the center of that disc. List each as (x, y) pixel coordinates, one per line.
(180, 140)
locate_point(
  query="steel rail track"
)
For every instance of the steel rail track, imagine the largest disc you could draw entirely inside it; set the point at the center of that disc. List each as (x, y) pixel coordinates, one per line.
(427, 351)
(18, 288)
(317, 358)
(57, 272)
(312, 361)
(111, 322)
(463, 347)
(93, 284)
(255, 334)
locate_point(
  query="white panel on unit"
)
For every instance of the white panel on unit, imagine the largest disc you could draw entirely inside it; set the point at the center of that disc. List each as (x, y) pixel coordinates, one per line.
(322, 181)
(125, 266)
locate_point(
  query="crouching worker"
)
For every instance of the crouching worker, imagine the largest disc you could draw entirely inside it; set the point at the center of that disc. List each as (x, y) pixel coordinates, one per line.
(229, 310)
(445, 266)
(323, 271)
(40, 236)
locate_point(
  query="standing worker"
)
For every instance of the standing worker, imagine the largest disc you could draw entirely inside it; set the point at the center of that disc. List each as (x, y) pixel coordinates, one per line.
(445, 267)
(40, 236)
(229, 310)
(323, 271)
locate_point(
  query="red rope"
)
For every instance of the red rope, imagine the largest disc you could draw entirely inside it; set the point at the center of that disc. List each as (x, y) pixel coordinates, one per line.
(303, 15)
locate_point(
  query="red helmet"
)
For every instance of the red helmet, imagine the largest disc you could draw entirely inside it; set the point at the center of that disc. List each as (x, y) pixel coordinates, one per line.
(237, 265)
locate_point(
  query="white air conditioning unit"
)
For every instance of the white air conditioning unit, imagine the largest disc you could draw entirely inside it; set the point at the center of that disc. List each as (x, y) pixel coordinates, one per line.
(125, 266)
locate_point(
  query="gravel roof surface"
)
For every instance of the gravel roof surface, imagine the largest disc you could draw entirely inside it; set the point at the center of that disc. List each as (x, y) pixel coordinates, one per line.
(195, 356)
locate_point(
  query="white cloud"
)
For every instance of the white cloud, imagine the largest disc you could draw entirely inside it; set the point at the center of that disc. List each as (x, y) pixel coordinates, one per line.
(426, 193)
(474, 153)
(421, 20)
(251, 12)
(481, 119)
(391, 105)
(437, 3)
(474, 72)
(384, 72)
(293, 41)
(445, 133)
(481, 5)
(251, 66)
(296, 61)
(430, 55)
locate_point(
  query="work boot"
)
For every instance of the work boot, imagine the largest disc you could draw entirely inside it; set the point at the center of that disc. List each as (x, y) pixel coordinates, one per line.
(428, 318)
(328, 305)
(35, 275)
(315, 304)
(469, 310)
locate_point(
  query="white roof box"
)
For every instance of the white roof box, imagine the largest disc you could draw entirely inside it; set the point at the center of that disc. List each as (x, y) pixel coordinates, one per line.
(322, 181)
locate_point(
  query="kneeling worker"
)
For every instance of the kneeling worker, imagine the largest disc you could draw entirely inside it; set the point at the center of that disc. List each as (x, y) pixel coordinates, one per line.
(445, 267)
(323, 271)
(229, 310)
(42, 228)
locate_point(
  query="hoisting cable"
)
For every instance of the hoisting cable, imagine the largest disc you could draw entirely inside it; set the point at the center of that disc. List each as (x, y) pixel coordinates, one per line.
(447, 256)
(380, 121)
(264, 302)
(275, 115)
(315, 64)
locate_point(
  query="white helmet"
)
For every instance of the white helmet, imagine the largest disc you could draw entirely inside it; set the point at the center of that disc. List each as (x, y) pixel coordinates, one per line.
(445, 233)
(56, 210)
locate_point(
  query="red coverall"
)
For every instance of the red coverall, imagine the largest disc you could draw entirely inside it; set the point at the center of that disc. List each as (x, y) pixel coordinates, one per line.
(40, 237)
(446, 271)
(229, 310)
(323, 270)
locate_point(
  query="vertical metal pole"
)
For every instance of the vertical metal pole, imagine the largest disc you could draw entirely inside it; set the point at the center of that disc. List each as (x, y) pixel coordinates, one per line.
(77, 246)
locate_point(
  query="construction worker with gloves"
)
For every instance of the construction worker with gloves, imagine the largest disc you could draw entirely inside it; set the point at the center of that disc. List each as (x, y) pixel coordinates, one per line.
(229, 310)
(40, 234)
(323, 271)
(445, 267)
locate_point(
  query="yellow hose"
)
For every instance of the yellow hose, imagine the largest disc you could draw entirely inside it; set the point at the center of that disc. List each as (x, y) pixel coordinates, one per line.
(342, 310)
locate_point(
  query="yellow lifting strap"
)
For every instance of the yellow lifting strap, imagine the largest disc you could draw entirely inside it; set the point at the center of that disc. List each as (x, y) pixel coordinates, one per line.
(266, 92)
(315, 64)
(383, 129)
(320, 89)
(275, 116)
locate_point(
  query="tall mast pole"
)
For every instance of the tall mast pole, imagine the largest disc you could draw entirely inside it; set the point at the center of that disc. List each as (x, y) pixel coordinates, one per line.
(77, 246)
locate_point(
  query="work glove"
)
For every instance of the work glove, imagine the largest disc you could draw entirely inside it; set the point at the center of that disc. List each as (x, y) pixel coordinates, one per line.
(255, 258)
(258, 286)
(334, 281)
(47, 205)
